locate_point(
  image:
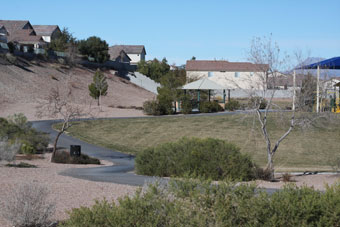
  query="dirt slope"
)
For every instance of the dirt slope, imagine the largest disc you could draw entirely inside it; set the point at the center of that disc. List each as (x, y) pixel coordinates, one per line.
(22, 86)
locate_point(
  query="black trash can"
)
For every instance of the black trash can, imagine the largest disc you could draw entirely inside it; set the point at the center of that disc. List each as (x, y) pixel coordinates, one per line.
(75, 150)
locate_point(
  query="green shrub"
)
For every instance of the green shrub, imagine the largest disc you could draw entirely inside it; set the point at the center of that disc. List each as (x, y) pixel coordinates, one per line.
(257, 102)
(208, 158)
(186, 104)
(210, 107)
(17, 129)
(65, 158)
(151, 107)
(27, 148)
(232, 105)
(193, 203)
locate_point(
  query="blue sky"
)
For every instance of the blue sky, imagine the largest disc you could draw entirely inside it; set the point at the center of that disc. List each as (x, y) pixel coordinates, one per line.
(178, 30)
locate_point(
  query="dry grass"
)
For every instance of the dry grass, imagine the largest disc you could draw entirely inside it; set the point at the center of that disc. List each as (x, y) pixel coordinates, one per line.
(302, 150)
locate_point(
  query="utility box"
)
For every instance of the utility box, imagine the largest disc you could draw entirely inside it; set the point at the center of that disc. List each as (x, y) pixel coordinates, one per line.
(75, 150)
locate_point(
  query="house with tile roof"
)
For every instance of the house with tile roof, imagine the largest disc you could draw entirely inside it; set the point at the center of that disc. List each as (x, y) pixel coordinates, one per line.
(47, 32)
(230, 75)
(22, 35)
(135, 52)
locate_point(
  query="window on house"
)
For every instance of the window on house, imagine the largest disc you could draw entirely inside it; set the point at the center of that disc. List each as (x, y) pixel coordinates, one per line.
(237, 74)
(210, 74)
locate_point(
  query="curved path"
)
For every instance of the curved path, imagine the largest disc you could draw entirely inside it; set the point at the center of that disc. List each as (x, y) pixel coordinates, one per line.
(122, 170)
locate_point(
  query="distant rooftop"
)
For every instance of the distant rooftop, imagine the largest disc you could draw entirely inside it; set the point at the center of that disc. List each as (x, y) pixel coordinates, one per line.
(129, 49)
(206, 65)
(45, 30)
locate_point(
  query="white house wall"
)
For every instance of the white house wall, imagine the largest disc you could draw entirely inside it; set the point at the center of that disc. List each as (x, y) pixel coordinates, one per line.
(47, 38)
(135, 58)
(243, 80)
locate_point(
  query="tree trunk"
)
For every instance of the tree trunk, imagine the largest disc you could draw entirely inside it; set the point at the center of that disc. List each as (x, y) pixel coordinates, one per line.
(55, 145)
(270, 166)
(98, 101)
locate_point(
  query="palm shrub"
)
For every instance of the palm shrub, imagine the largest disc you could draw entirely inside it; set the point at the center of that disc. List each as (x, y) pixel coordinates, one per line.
(208, 158)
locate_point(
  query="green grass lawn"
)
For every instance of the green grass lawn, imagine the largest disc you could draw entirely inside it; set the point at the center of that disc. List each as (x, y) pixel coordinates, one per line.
(311, 149)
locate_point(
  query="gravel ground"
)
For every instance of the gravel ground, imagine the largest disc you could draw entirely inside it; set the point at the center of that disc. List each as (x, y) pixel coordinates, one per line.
(67, 192)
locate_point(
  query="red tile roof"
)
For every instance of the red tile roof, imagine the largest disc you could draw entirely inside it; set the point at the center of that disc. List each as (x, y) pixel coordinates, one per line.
(204, 65)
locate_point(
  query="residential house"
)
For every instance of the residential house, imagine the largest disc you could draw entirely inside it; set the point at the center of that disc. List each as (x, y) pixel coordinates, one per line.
(119, 55)
(47, 32)
(231, 75)
(135, 52)
(22, 35)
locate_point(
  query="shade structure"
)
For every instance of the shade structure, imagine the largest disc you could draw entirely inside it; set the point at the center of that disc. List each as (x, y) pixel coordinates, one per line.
(203, 84)
(332, 63)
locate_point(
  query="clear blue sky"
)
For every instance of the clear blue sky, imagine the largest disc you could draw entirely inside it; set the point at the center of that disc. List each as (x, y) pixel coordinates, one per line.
(178, 30)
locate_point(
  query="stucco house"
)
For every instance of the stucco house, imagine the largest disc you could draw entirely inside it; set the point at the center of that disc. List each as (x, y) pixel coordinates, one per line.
(135, 52)
(47, 32)
(118, 55)
(230, 75)
(22, 35)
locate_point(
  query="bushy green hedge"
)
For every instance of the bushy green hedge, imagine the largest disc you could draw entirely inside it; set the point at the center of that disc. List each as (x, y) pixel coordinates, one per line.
(210, 107)
(206, 158)
(190, 203)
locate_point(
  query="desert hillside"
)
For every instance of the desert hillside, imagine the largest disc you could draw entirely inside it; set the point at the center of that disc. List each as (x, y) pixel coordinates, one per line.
(24, 84)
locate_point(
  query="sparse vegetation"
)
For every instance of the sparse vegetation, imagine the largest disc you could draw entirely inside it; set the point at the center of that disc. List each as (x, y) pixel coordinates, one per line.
(28, 206)
(205, 158)
(194, 203)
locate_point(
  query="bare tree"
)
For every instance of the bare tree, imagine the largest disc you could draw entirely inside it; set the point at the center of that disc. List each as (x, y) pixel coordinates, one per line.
(266, 55)
(59, 104)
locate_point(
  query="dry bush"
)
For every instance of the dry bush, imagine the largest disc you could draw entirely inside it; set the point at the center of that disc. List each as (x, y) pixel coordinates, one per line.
(28, 206)
(7, 150)
(287, 177)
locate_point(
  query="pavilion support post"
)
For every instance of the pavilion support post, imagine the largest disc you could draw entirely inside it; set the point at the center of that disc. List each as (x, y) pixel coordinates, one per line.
(228, 95)
(198, 99)
(209, 95)
(224, 96)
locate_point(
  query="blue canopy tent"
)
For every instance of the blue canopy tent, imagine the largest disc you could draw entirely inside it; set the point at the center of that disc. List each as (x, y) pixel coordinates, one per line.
(332, 63)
